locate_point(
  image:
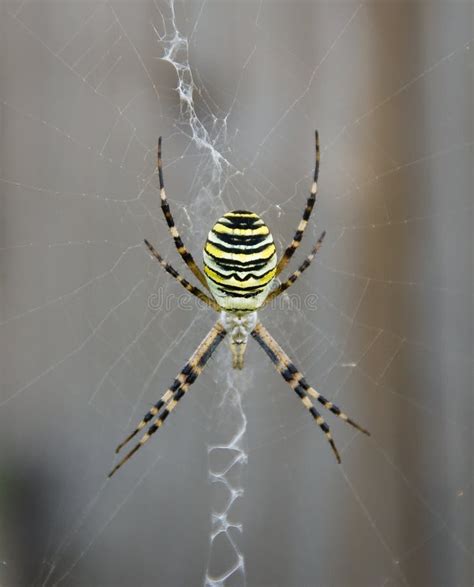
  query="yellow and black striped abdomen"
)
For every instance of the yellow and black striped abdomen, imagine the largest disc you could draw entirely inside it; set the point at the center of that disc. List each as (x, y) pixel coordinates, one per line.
(240, 261)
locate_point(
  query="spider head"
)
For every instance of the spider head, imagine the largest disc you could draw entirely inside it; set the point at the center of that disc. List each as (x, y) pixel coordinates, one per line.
(240, 261)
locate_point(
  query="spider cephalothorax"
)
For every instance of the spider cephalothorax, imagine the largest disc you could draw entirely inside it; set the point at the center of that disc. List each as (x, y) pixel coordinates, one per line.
(240, 264)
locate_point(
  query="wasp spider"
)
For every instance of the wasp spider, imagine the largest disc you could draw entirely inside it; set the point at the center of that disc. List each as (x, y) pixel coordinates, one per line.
(240, 264)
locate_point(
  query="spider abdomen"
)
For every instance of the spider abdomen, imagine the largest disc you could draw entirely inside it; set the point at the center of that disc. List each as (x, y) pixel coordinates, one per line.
(240, 261)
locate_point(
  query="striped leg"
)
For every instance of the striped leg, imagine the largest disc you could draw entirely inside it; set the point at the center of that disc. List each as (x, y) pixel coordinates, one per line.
(182, 250)
(295, 243)
(175, 392)
(297, 382)
(294, 276)
(187, 286)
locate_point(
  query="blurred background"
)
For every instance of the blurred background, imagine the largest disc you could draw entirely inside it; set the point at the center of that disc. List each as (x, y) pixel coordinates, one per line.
(239, 487)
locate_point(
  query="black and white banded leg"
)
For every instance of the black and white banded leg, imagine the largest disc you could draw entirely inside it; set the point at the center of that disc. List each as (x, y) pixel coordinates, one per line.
(297, 382)
(295, 243)
(165, 207)
(174, 393)
(187, 286)
(294, 276)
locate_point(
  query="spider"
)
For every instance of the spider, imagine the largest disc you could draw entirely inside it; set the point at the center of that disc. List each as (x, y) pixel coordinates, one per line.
(240, 265)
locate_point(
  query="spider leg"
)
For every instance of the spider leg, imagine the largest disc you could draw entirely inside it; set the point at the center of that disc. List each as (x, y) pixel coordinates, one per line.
(165, 398)
(294, 276)
(187, 286)
(297, 382)
(295, 243)
(182, 250)
(178, 388)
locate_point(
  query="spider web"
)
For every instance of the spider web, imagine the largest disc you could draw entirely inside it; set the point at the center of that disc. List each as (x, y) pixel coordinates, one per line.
(240, 487)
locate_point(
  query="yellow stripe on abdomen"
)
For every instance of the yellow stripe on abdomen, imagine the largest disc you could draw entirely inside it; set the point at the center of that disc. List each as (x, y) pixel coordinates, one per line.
(248, 283)
(223, 229)
(211, 249)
